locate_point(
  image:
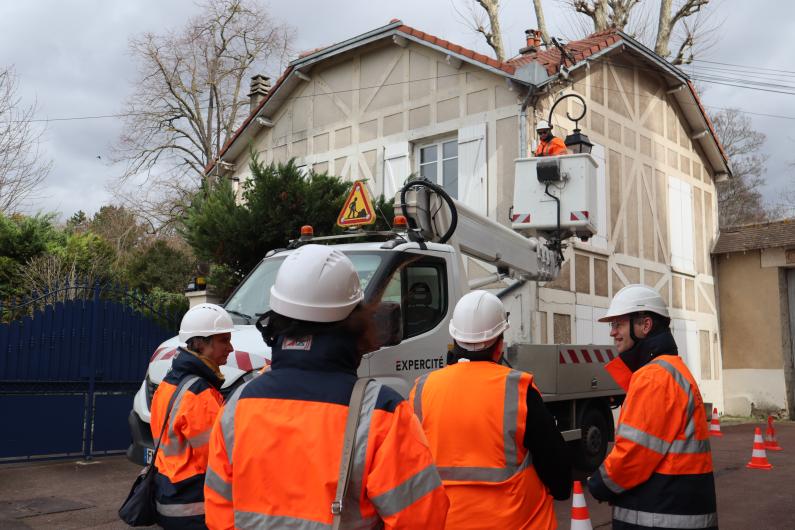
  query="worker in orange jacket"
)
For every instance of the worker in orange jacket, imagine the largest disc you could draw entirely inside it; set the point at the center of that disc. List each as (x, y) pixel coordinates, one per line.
(659, 473)
(497, 448)
(276, 448)
(182, 459)
(549, 144)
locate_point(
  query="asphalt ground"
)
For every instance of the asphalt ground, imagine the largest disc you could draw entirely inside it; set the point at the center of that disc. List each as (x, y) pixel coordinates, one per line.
(67, 495)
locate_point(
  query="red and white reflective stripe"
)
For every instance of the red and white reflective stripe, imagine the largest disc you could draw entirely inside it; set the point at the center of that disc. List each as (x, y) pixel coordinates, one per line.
(525, 218)
(571, 356)
(579, 216)
(158, 352)
(244, 361)
(161, 354)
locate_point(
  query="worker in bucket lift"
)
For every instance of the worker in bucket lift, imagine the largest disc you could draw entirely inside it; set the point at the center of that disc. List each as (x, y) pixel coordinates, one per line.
(500, 455)
(276, 448)
(549, 144)
(659, 473)
(182, 459)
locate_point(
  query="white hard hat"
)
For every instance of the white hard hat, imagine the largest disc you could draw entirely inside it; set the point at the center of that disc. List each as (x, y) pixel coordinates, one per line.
(543, 124)
(478, 320)
(634, 299)
(317, 284)
(205, 320)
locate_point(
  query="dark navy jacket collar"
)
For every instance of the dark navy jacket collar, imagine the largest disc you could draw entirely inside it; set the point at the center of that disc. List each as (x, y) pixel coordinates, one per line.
(185, 363)
(334, 352)
(645, 350)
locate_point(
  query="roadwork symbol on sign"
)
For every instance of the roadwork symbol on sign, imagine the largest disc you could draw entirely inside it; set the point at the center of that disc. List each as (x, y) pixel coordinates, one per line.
(358, 209)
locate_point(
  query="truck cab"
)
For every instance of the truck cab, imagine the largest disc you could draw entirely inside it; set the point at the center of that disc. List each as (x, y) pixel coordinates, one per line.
(414, 275)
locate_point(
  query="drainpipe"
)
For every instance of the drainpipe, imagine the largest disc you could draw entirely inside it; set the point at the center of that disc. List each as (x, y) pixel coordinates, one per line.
(523, 121)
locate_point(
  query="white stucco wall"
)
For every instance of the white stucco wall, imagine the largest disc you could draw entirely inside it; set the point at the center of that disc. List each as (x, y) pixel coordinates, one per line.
(757, 389)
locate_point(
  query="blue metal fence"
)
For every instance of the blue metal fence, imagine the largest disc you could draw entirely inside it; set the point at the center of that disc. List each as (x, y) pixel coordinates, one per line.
(71, 360)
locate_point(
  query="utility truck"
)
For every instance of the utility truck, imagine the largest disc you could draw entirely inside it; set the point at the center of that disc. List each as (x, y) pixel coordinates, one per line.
(419, 270)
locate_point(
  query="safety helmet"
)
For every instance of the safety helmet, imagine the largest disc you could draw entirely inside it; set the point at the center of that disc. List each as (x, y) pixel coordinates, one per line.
(205, 320)
(635, 298)
(543, 124)
(316, 283)
(478, 320)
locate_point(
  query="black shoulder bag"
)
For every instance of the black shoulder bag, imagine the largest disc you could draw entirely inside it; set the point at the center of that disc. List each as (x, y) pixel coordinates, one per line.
(139, 509)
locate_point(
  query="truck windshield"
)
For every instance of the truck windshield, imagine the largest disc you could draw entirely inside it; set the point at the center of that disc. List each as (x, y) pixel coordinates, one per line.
(252, 298)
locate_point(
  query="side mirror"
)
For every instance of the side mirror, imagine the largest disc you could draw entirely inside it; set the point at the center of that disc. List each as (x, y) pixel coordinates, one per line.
(388, 324)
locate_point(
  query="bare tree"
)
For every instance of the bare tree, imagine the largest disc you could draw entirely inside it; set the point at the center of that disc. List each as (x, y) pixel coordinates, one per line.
(675, 18)
(668, 21)
(190, 96)
(740, 199)
(541, 21)
(22, 166)
(486, 22)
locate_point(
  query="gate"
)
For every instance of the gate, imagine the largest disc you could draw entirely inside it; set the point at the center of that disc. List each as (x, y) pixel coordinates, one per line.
(71, 361)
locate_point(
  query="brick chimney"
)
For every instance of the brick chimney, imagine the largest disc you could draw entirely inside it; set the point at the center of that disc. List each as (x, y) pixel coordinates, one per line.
(533, 37)
(260, 86)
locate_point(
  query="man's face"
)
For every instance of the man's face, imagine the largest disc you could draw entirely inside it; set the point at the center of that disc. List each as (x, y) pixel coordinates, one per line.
(543, 133)
(619, 330)
(219, 348)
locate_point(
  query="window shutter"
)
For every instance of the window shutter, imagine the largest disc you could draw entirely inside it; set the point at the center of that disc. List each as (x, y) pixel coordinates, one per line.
(600, 239)
(472, 176)
(396, 168)
(680, 215)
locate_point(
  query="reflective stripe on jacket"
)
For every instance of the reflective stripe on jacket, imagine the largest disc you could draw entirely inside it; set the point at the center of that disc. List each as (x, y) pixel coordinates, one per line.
(182, 457)
(659, 473)
(555, 146)
(275, 453)
(474, 414)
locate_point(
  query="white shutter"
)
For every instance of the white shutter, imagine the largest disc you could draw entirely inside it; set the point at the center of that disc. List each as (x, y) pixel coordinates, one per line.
(600, 239)
(583, 321)
(472, 167)
(687, 226)
(396, 168)
(680, 215)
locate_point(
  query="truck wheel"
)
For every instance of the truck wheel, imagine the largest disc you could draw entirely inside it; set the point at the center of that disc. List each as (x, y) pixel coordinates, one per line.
(593, 444)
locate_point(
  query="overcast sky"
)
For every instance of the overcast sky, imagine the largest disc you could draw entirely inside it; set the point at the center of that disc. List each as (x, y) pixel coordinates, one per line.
(72, 61)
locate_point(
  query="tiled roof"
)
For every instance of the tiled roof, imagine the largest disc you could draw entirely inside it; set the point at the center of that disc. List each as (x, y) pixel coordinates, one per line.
(455, 48)
(579, 49)
(775, 234)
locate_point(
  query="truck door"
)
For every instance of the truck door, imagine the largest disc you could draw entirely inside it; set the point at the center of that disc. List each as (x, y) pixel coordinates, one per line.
(423, 291)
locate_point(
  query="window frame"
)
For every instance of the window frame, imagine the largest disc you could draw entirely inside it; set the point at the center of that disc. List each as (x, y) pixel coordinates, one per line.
(440, 159)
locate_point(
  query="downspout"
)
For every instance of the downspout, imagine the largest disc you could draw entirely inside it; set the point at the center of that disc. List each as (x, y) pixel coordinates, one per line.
(531, 92)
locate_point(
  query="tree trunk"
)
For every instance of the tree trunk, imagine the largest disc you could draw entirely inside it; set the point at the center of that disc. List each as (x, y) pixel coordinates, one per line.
(542, 25)
(493, 34)
(664, 27)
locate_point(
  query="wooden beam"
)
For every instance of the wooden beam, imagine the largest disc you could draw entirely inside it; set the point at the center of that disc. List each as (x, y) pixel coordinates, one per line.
(400, 41)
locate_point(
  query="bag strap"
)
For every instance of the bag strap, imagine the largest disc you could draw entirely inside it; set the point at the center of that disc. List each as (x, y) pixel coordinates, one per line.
(354, 411)
(185, 381)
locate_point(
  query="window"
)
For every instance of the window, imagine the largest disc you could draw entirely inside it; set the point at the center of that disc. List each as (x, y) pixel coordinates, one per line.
(680, 217)
(439, 163)
(424, 288)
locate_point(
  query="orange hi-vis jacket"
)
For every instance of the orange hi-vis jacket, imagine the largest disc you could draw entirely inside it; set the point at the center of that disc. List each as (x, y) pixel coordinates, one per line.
(182, 458)
(553, 147)
(659, 473)
(275, 451)
(474, 415)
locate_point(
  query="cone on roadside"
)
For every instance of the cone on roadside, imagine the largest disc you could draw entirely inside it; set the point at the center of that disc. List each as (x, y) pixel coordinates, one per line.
(758, 456)
(714, 425)
(580, 520)
(770, 437)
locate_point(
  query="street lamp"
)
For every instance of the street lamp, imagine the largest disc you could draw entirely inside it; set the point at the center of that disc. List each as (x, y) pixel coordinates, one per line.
(576, 142)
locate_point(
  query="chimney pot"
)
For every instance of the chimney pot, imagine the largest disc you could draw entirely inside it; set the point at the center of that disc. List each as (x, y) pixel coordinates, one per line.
(533, 39)
(259, 88)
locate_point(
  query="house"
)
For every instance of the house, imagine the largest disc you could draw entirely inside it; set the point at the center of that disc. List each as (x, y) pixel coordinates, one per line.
(755, 265)
(396, 101)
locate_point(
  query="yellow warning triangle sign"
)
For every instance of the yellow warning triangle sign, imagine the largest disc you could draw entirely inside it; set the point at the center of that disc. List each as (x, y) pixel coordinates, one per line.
(358, 208)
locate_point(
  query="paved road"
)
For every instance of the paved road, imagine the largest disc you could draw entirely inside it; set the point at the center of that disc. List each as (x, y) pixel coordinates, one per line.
(87, 496)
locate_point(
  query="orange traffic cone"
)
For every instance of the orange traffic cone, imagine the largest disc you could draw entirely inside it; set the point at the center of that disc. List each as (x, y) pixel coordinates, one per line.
(758, 456)
(714, 425)
(580, 520)
(770, 437)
